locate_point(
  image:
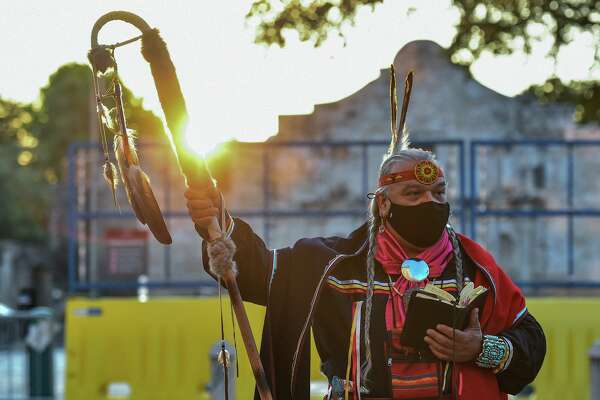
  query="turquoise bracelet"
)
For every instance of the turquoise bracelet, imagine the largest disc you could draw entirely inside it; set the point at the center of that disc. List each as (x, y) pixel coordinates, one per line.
(495, 351)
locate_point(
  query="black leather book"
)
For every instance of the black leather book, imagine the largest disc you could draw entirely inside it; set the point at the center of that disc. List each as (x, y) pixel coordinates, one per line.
(426, 310)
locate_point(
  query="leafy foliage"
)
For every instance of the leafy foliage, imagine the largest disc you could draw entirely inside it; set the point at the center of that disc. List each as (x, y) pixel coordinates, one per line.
(68, 112)
(34, 142)
(496, 26)
(22, 179)
(313, 21)
(501, 27)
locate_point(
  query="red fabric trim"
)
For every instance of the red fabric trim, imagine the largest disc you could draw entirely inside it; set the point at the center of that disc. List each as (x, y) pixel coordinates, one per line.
(498, 314)
(414, 380)
(354, 369)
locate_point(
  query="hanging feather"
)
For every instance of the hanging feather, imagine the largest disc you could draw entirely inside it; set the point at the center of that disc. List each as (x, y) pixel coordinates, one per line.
(138, 189)
(393, 111)
(130, 147)
(110, 120)
(109, 171)
(123, 155)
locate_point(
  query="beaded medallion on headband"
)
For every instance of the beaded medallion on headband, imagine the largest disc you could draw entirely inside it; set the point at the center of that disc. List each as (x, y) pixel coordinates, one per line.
(426, 172)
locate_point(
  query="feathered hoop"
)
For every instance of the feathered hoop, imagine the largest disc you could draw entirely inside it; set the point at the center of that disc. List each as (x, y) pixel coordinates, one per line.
(135, 181)
(400, 139)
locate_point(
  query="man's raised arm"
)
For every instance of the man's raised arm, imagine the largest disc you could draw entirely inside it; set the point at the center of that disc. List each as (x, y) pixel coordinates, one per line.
(253, 259)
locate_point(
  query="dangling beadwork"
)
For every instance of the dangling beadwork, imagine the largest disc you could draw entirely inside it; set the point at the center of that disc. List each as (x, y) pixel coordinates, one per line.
(224, 358)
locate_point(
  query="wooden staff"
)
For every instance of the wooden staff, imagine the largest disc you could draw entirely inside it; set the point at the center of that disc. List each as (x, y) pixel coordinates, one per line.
(192, 167)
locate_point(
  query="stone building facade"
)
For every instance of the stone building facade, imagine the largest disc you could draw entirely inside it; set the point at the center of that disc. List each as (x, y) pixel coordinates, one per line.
(303, 182)
(447, 104)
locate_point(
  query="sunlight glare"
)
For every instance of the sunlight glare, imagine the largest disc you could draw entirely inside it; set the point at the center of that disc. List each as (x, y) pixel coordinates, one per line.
(199, 141)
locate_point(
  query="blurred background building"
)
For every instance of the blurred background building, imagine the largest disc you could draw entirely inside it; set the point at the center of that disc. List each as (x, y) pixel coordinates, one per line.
(311, 179)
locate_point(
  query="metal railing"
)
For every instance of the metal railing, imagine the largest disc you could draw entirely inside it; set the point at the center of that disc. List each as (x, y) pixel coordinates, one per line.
(570, 211)
(467, 206)
(267, 212)
(26, 354)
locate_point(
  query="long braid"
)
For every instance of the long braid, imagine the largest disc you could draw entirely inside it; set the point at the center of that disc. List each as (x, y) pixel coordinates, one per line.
(457, 258)
(374, 223)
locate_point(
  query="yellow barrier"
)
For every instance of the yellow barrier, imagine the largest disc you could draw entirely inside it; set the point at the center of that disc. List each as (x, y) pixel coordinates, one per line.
(571, 326)
(160, 348)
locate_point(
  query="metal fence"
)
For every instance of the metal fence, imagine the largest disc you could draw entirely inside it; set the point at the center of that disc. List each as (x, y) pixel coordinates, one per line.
(165, 181)
(472, 206)
(26, 355)
(568, 193)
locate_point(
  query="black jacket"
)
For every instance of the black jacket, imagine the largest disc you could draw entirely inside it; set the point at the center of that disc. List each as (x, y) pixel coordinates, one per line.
(285, 281)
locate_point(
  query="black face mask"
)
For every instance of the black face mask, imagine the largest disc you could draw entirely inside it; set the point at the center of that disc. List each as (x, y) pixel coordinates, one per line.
(421, 225)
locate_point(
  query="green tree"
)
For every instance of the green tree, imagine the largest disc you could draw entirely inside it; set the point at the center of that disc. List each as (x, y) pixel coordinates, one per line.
(23, 183)
(66, 109)
(34, 142)
(497, 26)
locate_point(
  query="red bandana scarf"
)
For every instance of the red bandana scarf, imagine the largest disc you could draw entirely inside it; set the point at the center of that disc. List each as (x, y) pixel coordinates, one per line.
(412, 380)
(391, 255)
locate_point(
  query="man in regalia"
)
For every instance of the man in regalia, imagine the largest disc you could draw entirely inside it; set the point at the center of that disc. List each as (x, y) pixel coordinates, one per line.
(353, 294)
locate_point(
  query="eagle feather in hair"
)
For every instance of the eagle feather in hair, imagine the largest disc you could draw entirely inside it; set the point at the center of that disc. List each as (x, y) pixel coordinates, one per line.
(400, 138)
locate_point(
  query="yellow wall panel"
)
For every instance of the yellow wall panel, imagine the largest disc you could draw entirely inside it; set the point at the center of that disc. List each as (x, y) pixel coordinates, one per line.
(161, 347)
(571, 326)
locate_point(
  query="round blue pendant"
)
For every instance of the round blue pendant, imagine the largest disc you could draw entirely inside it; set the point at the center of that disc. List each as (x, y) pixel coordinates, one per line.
(415, 270)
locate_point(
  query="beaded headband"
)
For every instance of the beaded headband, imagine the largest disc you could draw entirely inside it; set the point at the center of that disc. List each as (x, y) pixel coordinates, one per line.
(424, 172)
